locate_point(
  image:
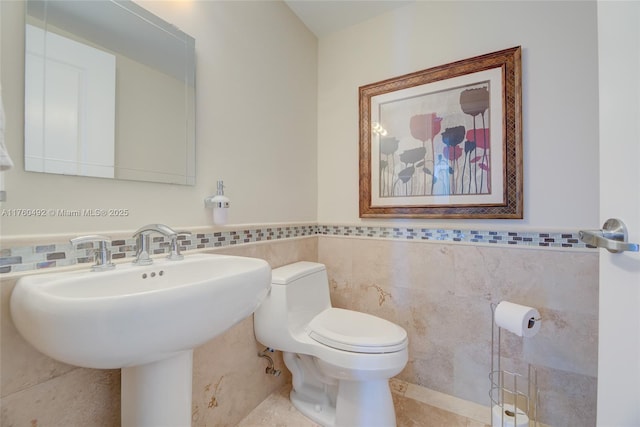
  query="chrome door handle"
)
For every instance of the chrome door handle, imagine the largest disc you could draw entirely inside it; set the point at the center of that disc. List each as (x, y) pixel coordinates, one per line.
(613, 237)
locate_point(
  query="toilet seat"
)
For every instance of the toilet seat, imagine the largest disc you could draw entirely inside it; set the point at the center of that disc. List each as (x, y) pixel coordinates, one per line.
(356, 332)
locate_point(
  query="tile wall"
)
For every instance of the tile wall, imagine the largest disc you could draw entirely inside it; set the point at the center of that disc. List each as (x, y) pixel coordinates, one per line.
(441, 293)
(438, 284)
(229, 378)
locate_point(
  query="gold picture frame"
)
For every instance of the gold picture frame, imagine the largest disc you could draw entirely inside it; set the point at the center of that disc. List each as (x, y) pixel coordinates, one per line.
(445, 142)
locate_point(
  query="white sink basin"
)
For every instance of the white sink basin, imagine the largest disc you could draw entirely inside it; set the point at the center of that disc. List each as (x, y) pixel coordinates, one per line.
(135, 315)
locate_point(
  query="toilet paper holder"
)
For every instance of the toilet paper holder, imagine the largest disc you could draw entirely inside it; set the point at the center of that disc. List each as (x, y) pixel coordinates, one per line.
(514, 396)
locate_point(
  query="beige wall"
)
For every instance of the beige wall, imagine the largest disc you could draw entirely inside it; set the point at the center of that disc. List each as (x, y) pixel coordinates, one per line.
(560, 98)
(256, 127)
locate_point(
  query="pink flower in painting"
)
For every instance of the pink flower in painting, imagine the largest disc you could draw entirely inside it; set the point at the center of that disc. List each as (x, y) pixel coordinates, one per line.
(425, 126)
(479, 135)
(452, 153)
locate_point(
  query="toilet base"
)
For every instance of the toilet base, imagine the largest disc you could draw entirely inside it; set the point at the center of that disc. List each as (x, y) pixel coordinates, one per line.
(365, 403)
(321, 413)
(358, 404)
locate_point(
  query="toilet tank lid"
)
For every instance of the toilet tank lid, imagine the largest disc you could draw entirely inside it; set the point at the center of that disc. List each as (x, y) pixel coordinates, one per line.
(291, 272)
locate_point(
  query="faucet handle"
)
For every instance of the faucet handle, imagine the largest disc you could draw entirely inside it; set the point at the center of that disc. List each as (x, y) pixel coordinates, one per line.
(102, 255)
(175, 254)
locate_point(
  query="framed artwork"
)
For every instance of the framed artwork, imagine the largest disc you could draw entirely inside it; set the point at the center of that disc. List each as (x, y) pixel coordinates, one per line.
(445, 142)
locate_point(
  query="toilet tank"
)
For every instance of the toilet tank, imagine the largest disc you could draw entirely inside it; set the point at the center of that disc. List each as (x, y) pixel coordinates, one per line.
(298, 293)
(307, 288)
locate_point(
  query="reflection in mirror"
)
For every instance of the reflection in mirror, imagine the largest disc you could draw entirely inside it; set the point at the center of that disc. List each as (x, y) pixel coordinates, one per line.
(109, 92)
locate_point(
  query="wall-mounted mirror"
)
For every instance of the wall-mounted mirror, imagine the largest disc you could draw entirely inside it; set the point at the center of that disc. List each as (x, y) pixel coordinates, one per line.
(109, 92)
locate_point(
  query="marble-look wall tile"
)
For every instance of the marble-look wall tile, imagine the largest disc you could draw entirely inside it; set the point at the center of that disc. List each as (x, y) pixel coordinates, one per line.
(277, 252)
(22, 366)
(567, 397)
(81, 397)
(229, 377)
(442, 294)
(439, 292)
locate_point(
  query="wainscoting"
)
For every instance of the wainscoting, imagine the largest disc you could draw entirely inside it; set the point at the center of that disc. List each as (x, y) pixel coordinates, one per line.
(437, 284)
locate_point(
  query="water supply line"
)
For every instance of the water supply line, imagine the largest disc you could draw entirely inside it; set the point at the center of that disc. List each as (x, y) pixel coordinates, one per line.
(270, 369)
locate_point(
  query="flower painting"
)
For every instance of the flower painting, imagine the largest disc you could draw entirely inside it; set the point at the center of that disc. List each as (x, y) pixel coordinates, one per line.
(440, 152)
(444, 142)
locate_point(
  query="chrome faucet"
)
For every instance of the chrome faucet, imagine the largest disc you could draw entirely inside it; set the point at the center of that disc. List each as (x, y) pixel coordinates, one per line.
(101, 255)
(143, 244)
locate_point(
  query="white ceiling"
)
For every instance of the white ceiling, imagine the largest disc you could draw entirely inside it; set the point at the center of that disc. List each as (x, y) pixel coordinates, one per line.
(326, 16)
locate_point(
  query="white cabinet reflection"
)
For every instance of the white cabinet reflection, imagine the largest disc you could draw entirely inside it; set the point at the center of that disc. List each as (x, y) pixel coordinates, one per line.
(70, 119)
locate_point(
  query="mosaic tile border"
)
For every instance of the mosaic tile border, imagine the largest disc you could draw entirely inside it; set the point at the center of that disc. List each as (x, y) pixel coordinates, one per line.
(28, 258)
(568, 240)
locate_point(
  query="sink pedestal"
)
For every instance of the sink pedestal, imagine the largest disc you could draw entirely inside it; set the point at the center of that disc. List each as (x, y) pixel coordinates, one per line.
(158, 393)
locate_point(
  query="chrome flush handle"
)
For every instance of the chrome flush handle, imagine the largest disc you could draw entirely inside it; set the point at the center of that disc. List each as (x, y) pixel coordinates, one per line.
(613, 237)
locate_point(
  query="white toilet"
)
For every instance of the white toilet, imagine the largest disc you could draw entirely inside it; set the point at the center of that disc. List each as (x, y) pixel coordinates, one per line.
(340, 360)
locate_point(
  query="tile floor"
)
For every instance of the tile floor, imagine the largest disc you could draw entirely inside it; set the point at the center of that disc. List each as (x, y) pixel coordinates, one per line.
(415, 407)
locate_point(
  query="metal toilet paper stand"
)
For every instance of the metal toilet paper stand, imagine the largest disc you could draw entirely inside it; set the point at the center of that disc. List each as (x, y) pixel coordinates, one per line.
(515, 394)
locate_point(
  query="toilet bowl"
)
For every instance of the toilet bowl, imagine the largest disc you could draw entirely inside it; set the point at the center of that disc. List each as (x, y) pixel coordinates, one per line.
(340, 360)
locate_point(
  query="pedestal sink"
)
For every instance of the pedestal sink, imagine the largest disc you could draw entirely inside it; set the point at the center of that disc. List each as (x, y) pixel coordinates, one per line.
(145, 320)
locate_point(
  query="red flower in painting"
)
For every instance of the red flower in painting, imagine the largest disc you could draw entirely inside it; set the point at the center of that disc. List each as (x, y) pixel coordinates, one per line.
(452, 153)
(480, 135)
(425, 126)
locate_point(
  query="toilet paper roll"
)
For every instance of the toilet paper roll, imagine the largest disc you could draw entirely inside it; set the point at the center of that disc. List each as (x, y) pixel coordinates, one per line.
(506, 416)
(521, 320)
